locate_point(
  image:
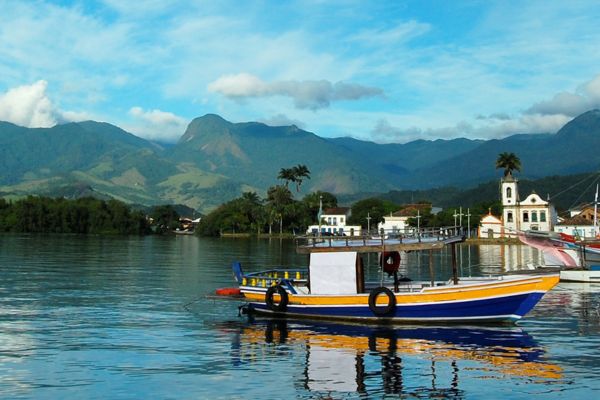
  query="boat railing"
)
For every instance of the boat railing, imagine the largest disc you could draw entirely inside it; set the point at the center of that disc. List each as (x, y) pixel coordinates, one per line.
(412, 238)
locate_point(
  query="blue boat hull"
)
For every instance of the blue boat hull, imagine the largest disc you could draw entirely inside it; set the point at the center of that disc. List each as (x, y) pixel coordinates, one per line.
(500, 309)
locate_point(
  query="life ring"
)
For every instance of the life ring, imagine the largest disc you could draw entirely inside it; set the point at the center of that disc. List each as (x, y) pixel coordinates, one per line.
(283, 299)
(382, 310)
(390, 260)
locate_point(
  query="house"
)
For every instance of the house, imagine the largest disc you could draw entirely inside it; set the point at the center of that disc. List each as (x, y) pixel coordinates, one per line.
(533, 213)
(334, 222)
(581, 222)
(490, 227)
(397, 222)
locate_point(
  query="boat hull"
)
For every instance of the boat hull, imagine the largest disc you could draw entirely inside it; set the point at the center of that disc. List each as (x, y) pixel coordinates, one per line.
(497, 301)
(580, 275)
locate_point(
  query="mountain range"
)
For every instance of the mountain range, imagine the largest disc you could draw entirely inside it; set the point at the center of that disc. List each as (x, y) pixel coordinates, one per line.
(216, 160)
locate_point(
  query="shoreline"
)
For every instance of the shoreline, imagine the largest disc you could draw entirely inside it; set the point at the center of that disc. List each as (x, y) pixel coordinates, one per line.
(513, 241)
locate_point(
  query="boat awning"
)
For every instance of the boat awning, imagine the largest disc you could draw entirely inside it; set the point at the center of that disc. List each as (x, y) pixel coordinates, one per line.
(366, 244)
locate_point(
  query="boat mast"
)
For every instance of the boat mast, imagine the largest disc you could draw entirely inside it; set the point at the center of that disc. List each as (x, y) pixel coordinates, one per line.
(596, 212)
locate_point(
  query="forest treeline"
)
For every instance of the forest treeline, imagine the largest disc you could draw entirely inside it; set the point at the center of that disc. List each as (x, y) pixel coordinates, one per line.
(86, 215)
(279, 212)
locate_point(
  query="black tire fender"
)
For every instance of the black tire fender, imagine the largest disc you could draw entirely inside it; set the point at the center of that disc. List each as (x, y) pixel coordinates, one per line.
(283, 296)
(381, 311)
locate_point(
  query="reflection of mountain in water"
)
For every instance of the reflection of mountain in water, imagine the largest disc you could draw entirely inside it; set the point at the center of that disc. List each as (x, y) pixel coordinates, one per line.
(371, 360)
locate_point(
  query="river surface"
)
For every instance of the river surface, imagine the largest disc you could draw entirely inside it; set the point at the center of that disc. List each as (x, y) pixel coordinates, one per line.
(128, 318)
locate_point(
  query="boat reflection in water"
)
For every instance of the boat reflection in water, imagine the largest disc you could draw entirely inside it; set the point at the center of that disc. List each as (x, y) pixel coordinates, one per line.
(416, 361)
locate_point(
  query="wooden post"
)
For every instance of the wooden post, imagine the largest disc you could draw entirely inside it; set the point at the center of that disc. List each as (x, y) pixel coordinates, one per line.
(431, 271)
(454, 268)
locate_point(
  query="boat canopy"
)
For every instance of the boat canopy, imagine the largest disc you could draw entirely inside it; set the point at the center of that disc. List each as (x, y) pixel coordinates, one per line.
(423, 239)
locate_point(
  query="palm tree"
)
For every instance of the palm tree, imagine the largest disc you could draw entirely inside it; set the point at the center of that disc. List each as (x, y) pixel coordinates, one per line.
(288, 175)
(509, 161)
(300, 172)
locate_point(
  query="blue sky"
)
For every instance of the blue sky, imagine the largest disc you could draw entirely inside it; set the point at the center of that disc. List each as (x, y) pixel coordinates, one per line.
(387, 71)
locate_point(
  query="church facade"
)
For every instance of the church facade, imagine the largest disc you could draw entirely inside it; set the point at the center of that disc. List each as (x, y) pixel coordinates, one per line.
(532, 213)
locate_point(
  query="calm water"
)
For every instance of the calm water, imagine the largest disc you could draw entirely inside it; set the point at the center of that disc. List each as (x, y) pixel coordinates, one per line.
(95, 317)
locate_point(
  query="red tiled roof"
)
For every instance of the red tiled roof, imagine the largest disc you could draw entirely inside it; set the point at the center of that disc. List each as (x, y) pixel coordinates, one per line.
(577, 220)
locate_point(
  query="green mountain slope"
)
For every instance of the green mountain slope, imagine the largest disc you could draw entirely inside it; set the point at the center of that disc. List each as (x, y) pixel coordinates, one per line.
(254, 153)
(216, 160)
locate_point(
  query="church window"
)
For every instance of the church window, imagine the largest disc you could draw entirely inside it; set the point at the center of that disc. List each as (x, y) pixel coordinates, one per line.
(525, 216)
(534, 216)
(509, 217)
(542, 216)
(508, 193)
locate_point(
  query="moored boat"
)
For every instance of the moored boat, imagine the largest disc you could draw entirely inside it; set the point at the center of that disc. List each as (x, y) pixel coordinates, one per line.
(334, 286)
(578, 259)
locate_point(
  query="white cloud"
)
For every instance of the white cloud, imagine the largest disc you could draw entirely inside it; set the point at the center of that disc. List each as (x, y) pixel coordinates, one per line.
(386, 37)
(28, 106)
(584, 98)
(311, 95)
(157, 125)
(282, 120)
(490, 128)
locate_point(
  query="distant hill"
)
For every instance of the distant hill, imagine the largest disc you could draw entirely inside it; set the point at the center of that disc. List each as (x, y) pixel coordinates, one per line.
(216, 160)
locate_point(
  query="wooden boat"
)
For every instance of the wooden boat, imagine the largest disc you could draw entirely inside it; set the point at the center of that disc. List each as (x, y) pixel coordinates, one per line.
(578, 259)
(334, 287)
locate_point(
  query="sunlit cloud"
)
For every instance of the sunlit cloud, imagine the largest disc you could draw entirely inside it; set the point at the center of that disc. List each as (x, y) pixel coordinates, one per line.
(311, 95)
(28, 106)
(157, 125)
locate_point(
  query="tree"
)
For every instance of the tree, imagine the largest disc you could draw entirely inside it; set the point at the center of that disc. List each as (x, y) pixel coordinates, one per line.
(300, 172)
(288, 175)
(165, 218)
(311, 203)
(509, 161)
(372, 207)
(279, 198)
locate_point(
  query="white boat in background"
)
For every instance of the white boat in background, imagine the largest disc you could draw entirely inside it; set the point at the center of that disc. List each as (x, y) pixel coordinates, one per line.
(577, 257)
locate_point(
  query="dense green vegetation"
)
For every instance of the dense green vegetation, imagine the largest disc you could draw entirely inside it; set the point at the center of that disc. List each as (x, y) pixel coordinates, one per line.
(279, 212)
(85, 215)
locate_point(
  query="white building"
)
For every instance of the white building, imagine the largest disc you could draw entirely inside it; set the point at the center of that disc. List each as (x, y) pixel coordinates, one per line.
(491, 227)
(334, 222)
(533, 213)
(581, 222)
(397, 222)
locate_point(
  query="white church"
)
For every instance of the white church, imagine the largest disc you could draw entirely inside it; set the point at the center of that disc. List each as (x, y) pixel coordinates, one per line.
(532, 213)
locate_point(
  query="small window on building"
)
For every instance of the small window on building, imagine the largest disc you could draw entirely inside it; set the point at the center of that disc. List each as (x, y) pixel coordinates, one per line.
(334, 220)
(534, 216)
(542, 216)
(329, 220)
(341, 220)
(509, 217)
(525, 216)
(508, 192)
